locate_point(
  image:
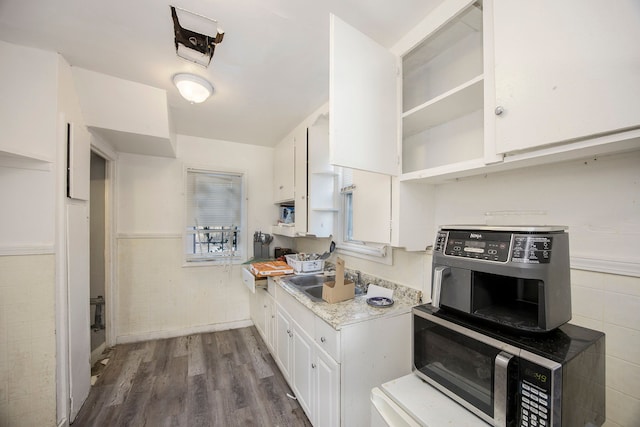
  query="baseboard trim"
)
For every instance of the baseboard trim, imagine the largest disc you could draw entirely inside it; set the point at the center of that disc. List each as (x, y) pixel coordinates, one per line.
(156, 335)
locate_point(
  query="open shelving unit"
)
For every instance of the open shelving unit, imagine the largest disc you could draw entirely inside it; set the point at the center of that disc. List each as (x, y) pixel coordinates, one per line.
(443, 98)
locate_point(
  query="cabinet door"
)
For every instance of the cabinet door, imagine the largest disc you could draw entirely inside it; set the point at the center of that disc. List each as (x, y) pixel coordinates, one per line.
(284, 334)
(371, 207)
(269, 321)
(28, 128)
(327, 391)
(300, 181)
(564, 70)
(363, 102)
(321, 180)
(259, 319)
(283, 170)
(303, 369)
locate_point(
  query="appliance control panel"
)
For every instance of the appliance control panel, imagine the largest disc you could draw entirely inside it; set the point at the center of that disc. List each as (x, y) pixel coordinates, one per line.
(495, 246)
(477, 245)
(534, 399)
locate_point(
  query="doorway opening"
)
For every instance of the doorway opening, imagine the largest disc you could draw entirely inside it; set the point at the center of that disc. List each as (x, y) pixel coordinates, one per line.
(97, 255)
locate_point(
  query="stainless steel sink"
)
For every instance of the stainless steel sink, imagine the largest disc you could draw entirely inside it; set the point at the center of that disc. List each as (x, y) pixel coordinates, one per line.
(312, 285)
(306, 281)
(314, 292)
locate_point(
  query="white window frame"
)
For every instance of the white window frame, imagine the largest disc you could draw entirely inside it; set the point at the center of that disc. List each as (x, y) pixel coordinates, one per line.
(376, 252)
(223, 258)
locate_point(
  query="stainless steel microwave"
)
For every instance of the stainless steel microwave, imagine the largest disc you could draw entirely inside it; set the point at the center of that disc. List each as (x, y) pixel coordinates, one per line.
(511, 378)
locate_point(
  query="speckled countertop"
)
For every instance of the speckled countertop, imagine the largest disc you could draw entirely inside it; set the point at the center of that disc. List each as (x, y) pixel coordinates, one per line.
(356, 310)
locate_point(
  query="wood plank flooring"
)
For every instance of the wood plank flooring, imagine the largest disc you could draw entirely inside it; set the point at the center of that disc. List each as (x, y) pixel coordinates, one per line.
(225, 378)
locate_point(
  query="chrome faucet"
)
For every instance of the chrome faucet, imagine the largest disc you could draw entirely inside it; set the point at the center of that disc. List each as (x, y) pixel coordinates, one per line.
(356, 277)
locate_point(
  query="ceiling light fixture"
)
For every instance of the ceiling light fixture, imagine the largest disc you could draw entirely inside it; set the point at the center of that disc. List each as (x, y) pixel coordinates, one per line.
(193, 88)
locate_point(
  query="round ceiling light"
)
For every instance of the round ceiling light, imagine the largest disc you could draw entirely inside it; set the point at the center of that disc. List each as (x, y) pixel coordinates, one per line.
(193, 88)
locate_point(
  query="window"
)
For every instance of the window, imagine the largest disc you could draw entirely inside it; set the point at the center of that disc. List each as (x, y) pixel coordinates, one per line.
(214, 215)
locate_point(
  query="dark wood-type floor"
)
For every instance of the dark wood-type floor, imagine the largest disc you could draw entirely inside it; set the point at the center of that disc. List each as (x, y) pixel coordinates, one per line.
(225, 378)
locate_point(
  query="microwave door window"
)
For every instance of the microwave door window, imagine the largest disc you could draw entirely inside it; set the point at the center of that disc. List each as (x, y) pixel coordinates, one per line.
(461, 365)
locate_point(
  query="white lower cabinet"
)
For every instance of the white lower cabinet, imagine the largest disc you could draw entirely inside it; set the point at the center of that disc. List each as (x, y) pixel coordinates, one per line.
(313, 375)
(284, 343)
(262, 310)
(303, 366)
(333, 371)
(326, 375)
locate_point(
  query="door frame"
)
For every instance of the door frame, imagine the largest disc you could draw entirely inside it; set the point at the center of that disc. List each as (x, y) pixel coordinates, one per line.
(111, 302)
(63, 392)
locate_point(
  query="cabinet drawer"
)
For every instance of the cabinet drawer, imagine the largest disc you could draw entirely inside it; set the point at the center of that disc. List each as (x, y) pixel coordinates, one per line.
(252, 281)
(327, 338)
(299, 313)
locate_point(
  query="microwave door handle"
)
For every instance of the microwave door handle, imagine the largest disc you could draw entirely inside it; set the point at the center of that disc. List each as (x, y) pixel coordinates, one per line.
(501, 386)
(438, 272)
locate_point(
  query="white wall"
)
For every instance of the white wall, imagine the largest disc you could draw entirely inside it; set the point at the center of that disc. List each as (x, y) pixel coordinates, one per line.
(158, 296)
(599, 199)
(27, 238)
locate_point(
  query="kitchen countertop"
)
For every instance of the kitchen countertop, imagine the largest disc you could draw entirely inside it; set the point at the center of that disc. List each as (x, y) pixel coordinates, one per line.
(356, 310)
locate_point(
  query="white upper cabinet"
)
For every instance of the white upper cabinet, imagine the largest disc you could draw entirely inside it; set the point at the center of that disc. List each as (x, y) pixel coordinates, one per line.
(564, 71)
(300, 180)
(443, 92)
(28, 105)
(321, 180)
(363, 102)
(371, 207)
(283, 173)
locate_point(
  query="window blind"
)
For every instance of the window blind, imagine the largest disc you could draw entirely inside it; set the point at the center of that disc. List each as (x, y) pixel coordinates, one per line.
(213, 199)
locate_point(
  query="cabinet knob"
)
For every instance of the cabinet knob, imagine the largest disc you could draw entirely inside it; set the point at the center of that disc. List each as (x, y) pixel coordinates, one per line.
(265, 306)
(281, 187)
(289, 331)
(322, 339)
(273, 317)
(290, 335)
(313, 366)
(499, 110)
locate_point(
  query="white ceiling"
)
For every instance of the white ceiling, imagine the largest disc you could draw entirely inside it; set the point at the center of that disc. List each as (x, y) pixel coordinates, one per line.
(270, 72)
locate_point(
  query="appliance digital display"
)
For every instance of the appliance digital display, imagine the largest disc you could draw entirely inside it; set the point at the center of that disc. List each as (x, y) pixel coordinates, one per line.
(475, 244)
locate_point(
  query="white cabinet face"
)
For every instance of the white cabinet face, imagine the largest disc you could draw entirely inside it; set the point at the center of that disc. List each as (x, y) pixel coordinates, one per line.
(303, 368)
(327, 391)
(284, 331)
(79, 162)
(283, 174)
(564, 70)
(371, 207)
(363, 102)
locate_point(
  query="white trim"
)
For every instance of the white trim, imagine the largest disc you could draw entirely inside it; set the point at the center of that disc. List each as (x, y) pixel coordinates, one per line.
(63, 393)
(611, 266)
(149, 236)
(155, 335)
(27, 250)
(95, 354)
(381, 255)
(63, 422)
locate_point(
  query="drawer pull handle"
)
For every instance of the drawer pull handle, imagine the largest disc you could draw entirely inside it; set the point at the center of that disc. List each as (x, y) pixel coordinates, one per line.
(322, 339)
(313, 366)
